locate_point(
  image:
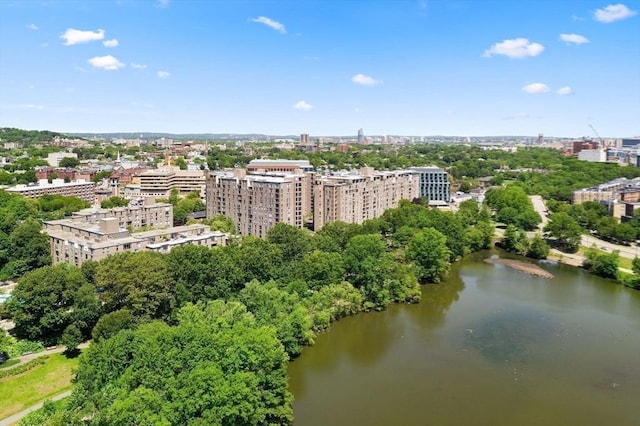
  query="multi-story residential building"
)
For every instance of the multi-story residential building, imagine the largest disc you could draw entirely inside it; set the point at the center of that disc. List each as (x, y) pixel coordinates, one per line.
(80, 188)
(434, 183)
(356, 197)
(68, 174)
(77, 241)
(286, 166)
(160, 182)
(613, 190)
(141, 213)
(257, 202)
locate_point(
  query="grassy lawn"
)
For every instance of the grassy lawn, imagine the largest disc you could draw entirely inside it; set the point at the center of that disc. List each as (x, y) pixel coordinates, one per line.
(623, 262)
(42, 382)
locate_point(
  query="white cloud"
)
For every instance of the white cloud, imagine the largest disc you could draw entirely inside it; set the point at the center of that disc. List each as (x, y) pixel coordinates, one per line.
(107, 62)
(574, 38)
(162, 3)
(72, 36)
(564, 91)
(31, 106)
(613, 12)
(32, 27)
(514, 48)
(164, 74)
(270, 23)
(536, 88)
(365, 80)
(138, 66)
(110, 43)
(303, 106)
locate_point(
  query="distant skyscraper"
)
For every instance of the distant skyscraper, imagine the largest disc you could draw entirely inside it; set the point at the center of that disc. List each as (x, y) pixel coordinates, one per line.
(304, 138)
(540, 138)
(360, 136)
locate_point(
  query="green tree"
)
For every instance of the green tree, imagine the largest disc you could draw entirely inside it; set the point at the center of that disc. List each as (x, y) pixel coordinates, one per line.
(515, 240)
(429, 253)
(294, 243)
(216, 367)
(604, 265)
(274, 307)
(565, 230)
(221, 223)
(114, 201)
(71, 338)
(70, 162)
(538, 248)
(140, 282)
(319, 269)
(110, 324)
(48, 300)
(29, 249)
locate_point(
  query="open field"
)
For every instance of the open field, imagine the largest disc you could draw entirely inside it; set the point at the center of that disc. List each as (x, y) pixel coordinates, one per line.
(41, 382)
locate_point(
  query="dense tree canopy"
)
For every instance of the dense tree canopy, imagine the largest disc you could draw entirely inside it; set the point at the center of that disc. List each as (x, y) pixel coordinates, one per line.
(216, 367)
(565, 230)
(47, 301)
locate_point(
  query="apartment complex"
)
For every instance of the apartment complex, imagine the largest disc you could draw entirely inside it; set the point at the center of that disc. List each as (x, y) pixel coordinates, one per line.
(78, 240)
(80, 188)
(434, 183)
(257, 202)
(620, 196)
(615, 189)
(138, 214)
(160, 182)
(356, 197)
(285, 166)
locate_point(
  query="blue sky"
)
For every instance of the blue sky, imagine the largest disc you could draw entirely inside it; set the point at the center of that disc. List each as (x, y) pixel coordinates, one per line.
(325, 67)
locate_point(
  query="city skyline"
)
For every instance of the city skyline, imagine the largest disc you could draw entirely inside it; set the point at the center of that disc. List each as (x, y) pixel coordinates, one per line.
(464, 68)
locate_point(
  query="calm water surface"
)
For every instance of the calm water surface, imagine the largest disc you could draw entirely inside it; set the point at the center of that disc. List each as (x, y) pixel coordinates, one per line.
(491, 346)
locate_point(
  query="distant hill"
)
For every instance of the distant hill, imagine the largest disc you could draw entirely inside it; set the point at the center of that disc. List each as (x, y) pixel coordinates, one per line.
(155, 135)
(9, 134)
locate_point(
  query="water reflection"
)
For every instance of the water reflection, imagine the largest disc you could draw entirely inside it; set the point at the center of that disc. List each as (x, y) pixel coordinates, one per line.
(510, 336)
(436, 300)
(571, 342)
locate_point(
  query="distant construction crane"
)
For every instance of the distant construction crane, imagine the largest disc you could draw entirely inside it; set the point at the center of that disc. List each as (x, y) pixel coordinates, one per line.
(600, 141)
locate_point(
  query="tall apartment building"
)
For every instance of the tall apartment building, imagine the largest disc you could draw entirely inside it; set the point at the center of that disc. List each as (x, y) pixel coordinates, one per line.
(434, 183)
(160, 182)
(80, 188)
(257, 202)
(354, 198)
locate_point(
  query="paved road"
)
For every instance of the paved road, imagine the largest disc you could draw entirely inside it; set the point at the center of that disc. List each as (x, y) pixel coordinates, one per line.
(57, 350)
(18, 416)
(586, 240)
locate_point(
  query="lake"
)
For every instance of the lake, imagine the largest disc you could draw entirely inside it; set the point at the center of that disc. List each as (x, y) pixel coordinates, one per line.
(490, 346)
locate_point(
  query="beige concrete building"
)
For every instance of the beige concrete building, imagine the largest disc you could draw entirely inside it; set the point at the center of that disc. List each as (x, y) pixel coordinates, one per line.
(76, 242)
(285, 166)
(257, 202)
(160, 182)
(616, 189)
(80, 188)
(138, 214)
(354, 198)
